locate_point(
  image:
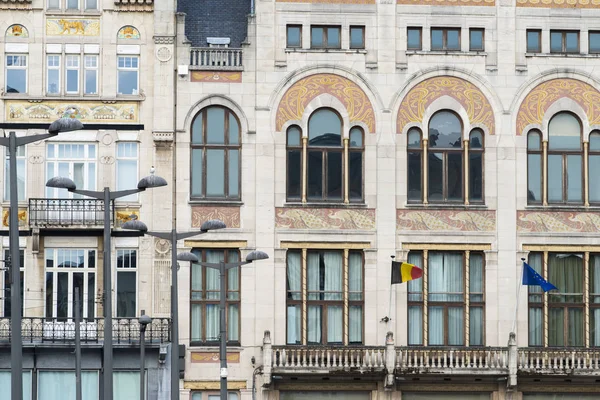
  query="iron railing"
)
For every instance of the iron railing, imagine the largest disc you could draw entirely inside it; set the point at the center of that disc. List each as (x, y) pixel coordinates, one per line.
(68, 212)
(216, 58)
(61, 330)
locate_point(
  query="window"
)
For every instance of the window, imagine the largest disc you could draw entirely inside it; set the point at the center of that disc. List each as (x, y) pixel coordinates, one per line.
(534, 167)
(126, 385)
(72, 74)
(21, 174)
(16, 73)
(215, 155)
(445, 158)
(294, 36)
(90, 74)
(65, 270)
(73, 79)
(91, 4)
(127, 74)
(534, 41)
(76, 161)
(213, 396)
(594, 167)
(445, 38)
(444, 298)
(357, 37)
(5, 377)
(564, 41)
(325, 152)
(72, 4)
(53, 74)
(127, 168)
(56, 384)
(205, 295)
(294, 163)
(565, 161)
(415, 165)
(414, 38)
(476, 39)
(355, 163)
(6, 284)
(321, 273)
(126, 283)
(476, 166)
(325, 37)
(594, 42)
(53, 4)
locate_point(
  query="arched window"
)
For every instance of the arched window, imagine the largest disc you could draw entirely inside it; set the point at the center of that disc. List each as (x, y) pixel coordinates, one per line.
(415, 164)
(594, 167)
(476, 166)
(294, 163)
(355, 168)
(534, 167)
(325, 153)
(445, 159)
(565, 161)
(215, 155)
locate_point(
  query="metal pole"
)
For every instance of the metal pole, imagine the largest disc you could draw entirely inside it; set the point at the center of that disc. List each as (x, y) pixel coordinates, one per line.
(16, 340)
(77, 346)
(222, 333)
(108, 348)
(142, 358)
(174, 320)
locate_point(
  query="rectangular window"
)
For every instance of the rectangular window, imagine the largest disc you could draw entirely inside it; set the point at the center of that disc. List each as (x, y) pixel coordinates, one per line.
(534, 41)
(445, 299)
(476, 39)
(21, 177)
(126, 385)
(594, 42)
(128, 74)
(205, 294)
(53, 4)
(357, 37)
(126, 283)
(414, 38)
(6, 282)
(5, 383)
(73, 160)
(53, 74)
(91, 4)
(72, 74)
(325, 37)
(294, 36)
(564, 41)
(54, 384)
(326, 296)
(16, 73)
(445, 39)
(127, 168)
(72, 4)
(91, 74)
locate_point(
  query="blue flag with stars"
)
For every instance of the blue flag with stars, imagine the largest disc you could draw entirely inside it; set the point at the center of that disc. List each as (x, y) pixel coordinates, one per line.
(532, 278)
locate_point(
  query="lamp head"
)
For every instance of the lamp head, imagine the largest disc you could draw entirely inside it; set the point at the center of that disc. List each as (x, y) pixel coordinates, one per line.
(145, 320)
(61, 182)
(187, 256)
(135, 225)
(257, 255)
(65, 125)
(212, 225)
(151, 181)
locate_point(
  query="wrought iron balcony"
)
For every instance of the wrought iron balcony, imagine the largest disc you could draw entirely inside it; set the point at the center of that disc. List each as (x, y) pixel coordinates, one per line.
(59, 330)
(558, 361)
(87, 213)
(486, 360)
(216, 58)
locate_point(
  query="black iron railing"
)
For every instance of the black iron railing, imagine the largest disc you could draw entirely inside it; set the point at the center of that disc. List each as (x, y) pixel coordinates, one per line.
(58, 330)
(67, 212)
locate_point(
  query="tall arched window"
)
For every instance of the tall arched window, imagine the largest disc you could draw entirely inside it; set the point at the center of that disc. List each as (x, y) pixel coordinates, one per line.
(594, 167)
(565, 161)
(445, 159)
(294, 163)
(415, 165)
(534, 167)
(215, 155)
(356, 149)
(476, 166)
(325, 153)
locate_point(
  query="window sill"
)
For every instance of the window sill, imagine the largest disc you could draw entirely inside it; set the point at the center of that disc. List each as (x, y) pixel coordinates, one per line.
(123, 205)
(445, 52)
(563, 55)
(54, 97)
(342, 51)
(59, 12)
(131, 97)
(323, 205)
(562, 208)
(216, 203)
(446, 206)
(231, 348)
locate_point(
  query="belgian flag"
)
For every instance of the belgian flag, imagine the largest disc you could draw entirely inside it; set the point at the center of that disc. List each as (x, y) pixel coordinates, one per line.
(404, 272)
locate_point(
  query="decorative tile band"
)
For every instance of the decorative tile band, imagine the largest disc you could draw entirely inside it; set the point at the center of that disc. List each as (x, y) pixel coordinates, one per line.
(446, 220)
(229, 215)
(92, 111)
(559, 3)
(557, 221)
(213, 357)
(329, 1)
(325, 218)
(22, 217)
(449, 2)
(216, 76)
(71, 27)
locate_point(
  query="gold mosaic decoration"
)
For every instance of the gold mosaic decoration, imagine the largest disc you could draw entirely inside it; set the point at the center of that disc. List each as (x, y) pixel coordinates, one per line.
(216, 76)
(17, 30)
(446, 220)
(21, 216)
(537, 102)
(559, 3)
(297, 97)
(69, 27)
(128, 32)
(449, 2)
(468, 95)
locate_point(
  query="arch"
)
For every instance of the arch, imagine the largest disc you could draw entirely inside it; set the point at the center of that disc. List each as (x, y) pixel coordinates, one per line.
(301, 93)
(220, 100)
(537, 102)
(128, 32)
(17, 30)
(413, 106)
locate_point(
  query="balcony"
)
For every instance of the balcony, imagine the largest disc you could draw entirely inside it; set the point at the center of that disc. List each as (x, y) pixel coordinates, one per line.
(126, 331)
(481, 361)
(216, 58)
(562, 361)
(57, 213)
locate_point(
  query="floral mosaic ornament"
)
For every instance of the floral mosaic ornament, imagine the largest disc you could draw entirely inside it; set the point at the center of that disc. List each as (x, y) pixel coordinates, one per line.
(557, 221)
(48, 111)
(473, 100)
(446, 220)
(229, 215)
(70, 27)
(17, 30)
(450, 2)
(300, 94)
(325, 218)
(128, 32)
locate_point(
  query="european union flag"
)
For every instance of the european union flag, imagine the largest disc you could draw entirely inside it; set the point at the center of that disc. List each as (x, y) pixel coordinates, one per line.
(532, 278)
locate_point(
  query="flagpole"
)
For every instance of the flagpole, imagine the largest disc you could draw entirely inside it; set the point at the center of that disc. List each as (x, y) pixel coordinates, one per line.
(519, 285)
(390, 301)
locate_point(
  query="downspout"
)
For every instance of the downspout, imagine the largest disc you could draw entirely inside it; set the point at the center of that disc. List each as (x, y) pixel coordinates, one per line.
(174, 165)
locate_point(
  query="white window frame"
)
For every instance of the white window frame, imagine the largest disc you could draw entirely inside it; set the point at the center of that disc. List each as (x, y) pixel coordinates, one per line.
(118, 269)
(53, 160)
(18, 67)
(92, 67)
(3, 282)
(129, 69)
(127, 155)
(53, 67)
(21, 156)
(72, 66)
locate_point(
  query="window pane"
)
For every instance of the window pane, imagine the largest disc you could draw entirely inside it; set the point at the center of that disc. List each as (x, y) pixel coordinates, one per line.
(91, 81)
(355, 324)
(533, 141)
(294, 171)
(196, 322)
(555, 178)
(453, 37)
(436, 326)
(16, 80)
(594, 141)
(72, 4)
(414, 138)
(435, 176)
(574, 178)
(127, 177)
(126, 384)
(293, 36)
(476, 39)
(126, 282)
(333, 37)
(535, 326)
(356, 175)
(356, 37)
(196, 172)
(437, 39)
(594, 42)
(197, 129)
(564, 131)
(533, 41)
(314, 325)
(316, 38)
(212, 322)
(54, 385)
(356, 137)
(234, 130)
(315, 174)
(294, 315)
(476, 139)
(334, 175)
(455, 174)
(594, 180)
(334, 324)
(233, 322)
(414, 39)
(572, 42)
(215, 173)
(91, 4)
(215, 125)
(556, 327)
(293, 136)
(556, 42)
(53, 81)
(575, 327)
(534, 177)
(476, 326)
(234, 172)
(476, 176)
(445, 131)
(53, 3)
(456, 323)
(414, 176)
(62, 295)
(128, 82)
(415, 325)
(324, 128)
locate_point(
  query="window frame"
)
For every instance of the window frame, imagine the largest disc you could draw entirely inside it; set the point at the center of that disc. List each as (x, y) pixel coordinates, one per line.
(445, 31)
(325, 45)
(122, 158)
(564, 33)
(287, 36)
(25, 67)
(362, 29)
(57, 68)
(76, 68)
(590, 33)
(420, 152)
(481, 151)
(473, 30)
(539, 152)
(86, 160)
(136, 91)
(121, 269)
(355, 149)
(293, 148)
(418, 29)
(86, 69)
(538, 33)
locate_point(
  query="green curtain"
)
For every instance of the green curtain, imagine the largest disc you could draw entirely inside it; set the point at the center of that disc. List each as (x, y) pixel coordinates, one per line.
(565, 271)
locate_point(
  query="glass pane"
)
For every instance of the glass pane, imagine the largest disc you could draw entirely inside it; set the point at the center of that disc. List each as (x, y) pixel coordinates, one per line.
(333, 37)
(437, 39)
(572, 42)
(355, 317)
(294, 173)
(16, 80)
(356, 37)
(555, 178)
(456, 323)
(196, 322)
(293, 280)
(49, 294)
(293, 136)
(126, 384)
(595, 327)
(91, 293)
(126, 282)
(316, 37)
(215, 173)
(565, 271)
(594, 179)
(556, 327)
(415, 325)
(435, 324)
(455, 174)
(72, 4)
(533, 141)
(575, 327)
(324, 129)
(535, 326)
(313, 322)
(197, 129)
(128, 82)
(476, 177)
(356, 175)
(445, 131)
(334, 324)
(72, 80)
(414, 39)
(294, 315)
(196, 172)
(62, 295)
(293, 36)
(91, 81)
(594, 141)
(564, 131)
(414, 176)
(315, 174)
(533, 41)
(334, 175)
(78, 283)
(476, 139)
(53, 81)
(476, 326)
(356, 137)
(453, 37)
(127, 177)
(476, 39)
(212, 322)
(233, 322)
(414, 138)
(234, 173)
(435, 176)
(215, 123)
(534, 178)
(234, 130)
(594, 42)
(475, 273)
(574, 179)
(556, 42)
(91, 4)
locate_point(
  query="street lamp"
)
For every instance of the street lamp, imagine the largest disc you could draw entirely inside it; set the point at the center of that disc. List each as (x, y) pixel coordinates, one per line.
(16, 342)
(173, 237)
(223, 267)
(151, 181)
(144, 321)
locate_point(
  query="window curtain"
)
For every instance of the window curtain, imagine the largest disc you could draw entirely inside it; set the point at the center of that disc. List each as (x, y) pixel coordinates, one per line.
(213, 282)
(535, 295)
(233, 322)
(476, 295)
(60, 385)
(196, 308)
(5, 385)
(126, 385)
(233, 293)
(595, 298)
(446, 285)
(355, 283)
(294, 265)
(415, 313)
(313, 312)
(565, 271)
(333, 291)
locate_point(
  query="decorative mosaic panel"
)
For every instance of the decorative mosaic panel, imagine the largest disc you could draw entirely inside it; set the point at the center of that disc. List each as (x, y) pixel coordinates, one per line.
(468, 95)
(446, 220)
(22, 217)
(70, 26)
(297, 97)
(213, 357)
(216, 76)
(123, 216)
(128, 32)
(557, 221)
(17, 30)
(229, 215)
(559, 3)
(538, 101)
(325, 218)
(329, 1)
(450, 2)
(92, 111)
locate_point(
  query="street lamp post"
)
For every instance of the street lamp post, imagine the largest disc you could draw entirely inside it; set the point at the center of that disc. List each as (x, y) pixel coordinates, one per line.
(16, 340)
(173, 236)
(144, 321)
(151, 181)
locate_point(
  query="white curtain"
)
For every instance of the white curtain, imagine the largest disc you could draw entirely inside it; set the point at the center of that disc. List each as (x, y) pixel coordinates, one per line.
(476, 326)
(293, 324)
(334, 324)
(333, 275)
(456, 333)
(213, 283)
(595, 290)
(196, 322)
(476, 295)
(355, 283)
(355, 315)
(445, 276)
(415, 325)
(212, 322)
(5, 385)
(233, 322)
(126, 385)
(60, 385)
(535, 326)
(314, 324)
(294, 263)
(314, 287)
(436, 325)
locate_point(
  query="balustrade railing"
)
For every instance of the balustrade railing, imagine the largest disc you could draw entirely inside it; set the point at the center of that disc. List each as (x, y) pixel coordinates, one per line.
(67, 212)
(558, 360)
(488, 358)
(328, 358)
(216, 58)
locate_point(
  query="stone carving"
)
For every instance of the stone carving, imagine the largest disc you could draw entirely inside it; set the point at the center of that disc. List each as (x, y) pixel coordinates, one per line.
(162, 246)
(537, 101)
(216, 76)
(163, 54)
(48, 111)
(297, 97)
(559, 3)
(17, 30)
(71, 26)
(557, 221)
(107, 160)
(423, 94)
(446, 220)
(325, 218)
(164, 39)
(229, 215)
(128, 32)
(37, 159)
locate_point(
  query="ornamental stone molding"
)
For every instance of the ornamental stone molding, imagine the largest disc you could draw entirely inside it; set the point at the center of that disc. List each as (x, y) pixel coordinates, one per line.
(229, 215)
(134, 5)
(163, 54)
(325, 218)
(446, 220)
(558, 221)
(15, 4)
(164, 39)
(559, 3)
(37, 159)
(107, 160)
